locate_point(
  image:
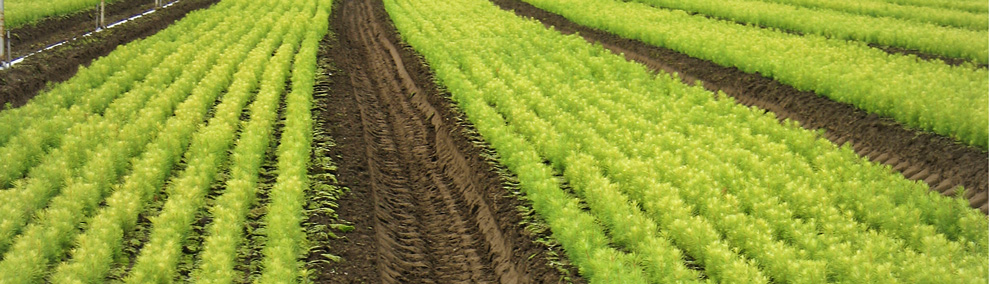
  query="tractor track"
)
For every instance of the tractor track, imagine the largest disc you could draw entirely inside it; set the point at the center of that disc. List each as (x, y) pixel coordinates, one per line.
(428, 208)
(936, 160)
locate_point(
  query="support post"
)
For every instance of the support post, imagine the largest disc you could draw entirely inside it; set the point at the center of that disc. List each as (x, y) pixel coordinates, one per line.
(103, 7)
(3, 39)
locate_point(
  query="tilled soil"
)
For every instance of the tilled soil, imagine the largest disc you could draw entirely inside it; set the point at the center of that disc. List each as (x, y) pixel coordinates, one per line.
(428, 208)
(938, 161)
(25, 80)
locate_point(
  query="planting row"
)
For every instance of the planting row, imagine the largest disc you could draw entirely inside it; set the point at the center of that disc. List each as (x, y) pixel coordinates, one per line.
(285, 234)
(23, 12)
(946, 17)
(636, 174)
(140, 125)
(929, 38)
(932, 96)
(972, 6)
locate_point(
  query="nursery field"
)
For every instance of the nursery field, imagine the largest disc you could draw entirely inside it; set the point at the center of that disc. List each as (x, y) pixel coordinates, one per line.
(88, 164)
(510, 141)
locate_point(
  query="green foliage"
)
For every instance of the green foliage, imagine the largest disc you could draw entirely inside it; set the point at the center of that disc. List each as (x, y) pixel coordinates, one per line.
(286, 241)
(90, 258)
(209, 149)
(110, 143)
(878, 8)
(99, 148)
(931, 96)
(91, 85)
(972, 6)
(116, 100)
(667, 170)
(23, 12)
(230, 212)
(929, 38)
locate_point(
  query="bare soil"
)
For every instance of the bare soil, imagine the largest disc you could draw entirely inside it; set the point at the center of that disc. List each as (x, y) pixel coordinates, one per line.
(939, 161)
(428, 207)
(25, 80)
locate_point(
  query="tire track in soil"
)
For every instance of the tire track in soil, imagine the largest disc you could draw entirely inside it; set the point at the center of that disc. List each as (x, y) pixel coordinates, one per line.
(922, 156)
(427, 207)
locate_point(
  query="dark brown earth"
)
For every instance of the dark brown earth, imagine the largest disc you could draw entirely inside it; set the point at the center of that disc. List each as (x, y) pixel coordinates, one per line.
(428, 207)
(938, 161)
(25, 80)
(927, 56)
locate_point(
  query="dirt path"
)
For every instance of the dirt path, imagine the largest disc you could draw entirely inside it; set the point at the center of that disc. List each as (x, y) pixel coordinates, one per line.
(428, 208)
(936, 160)
(25, 80)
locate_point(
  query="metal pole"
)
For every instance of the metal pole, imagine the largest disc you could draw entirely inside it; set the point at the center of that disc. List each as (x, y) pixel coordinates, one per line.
(10, 61)
(2, 33)
(103, 6)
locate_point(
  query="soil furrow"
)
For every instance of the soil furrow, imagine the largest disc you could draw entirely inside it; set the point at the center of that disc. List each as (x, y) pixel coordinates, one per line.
(436, 202)
(415, 192)
(398, 231)
(427, 207)
(936, 160)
